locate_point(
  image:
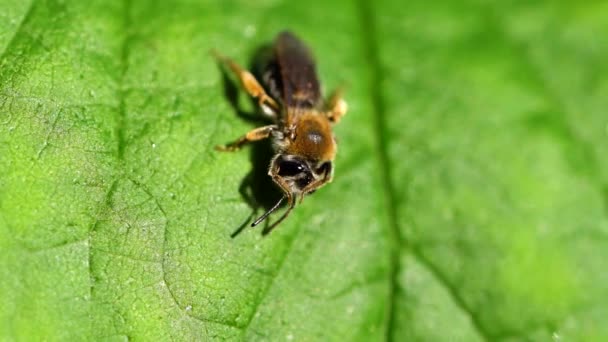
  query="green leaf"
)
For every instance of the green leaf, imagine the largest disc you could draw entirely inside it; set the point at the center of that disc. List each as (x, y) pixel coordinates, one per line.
(470, 197)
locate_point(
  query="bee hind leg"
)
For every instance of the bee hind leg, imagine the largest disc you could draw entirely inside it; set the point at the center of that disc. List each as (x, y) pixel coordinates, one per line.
(252, 86)
(253, 135)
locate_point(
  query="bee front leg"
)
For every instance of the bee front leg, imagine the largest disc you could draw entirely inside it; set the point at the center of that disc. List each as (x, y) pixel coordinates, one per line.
(336, 106)
(252, 86)
(253, 135)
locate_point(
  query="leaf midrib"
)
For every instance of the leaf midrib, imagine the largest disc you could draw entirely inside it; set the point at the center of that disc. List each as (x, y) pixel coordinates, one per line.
(375, 79)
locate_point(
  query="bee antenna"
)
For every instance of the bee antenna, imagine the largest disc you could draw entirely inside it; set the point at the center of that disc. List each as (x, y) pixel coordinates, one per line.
(276, 223)
(270, 211)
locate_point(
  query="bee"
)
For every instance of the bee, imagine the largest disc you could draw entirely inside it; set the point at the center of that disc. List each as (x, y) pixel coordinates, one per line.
(301, 130)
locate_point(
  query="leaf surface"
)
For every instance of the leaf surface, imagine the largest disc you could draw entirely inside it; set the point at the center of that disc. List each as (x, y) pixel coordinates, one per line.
(469, 201)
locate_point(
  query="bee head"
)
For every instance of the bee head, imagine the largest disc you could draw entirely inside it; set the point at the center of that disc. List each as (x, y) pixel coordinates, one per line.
(298, 173)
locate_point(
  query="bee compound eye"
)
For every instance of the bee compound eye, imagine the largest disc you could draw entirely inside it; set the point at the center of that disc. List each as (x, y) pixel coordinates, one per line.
(290, 168)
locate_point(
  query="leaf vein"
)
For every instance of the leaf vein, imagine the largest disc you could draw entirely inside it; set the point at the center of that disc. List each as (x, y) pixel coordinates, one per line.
(452, 290)
(26, 18)
(394, 237)
(266, 289)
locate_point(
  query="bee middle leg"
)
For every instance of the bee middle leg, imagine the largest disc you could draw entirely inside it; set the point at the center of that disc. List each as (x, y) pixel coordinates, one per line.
(253, 135)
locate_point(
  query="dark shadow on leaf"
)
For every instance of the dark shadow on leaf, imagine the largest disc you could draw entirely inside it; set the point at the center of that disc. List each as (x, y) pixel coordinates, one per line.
(257, 188)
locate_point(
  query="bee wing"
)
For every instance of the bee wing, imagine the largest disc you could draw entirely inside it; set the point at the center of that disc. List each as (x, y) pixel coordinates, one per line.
(297, 73)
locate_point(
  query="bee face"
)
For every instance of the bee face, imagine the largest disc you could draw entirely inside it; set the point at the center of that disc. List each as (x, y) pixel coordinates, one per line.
(300, 176)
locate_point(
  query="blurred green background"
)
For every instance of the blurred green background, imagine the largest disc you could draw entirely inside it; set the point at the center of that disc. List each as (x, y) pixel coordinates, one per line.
(470, 198)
